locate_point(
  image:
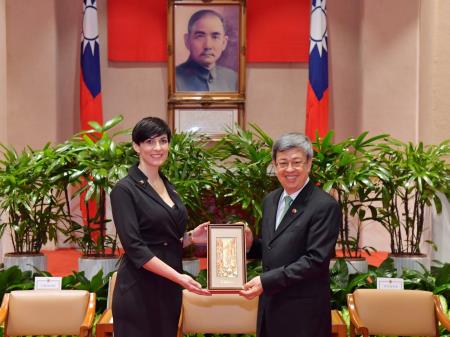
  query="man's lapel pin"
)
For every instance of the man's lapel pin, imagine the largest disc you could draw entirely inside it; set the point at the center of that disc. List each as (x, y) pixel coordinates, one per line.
(294, 210)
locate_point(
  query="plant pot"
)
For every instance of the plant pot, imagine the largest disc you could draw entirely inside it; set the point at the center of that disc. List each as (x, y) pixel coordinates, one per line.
(26, 262)
(91, 265)
(191, 266)
(355, 265)
(410, 262)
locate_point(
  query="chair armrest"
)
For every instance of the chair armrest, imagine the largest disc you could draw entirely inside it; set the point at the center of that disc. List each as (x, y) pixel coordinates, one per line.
(4, 308)
(88, 321)
(338, 326)
(441, 315)
(106, 317)
(180, 324)
(336, 318)
(355, 320)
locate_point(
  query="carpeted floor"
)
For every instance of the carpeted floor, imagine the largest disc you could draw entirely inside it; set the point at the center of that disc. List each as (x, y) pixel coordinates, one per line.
(62, 262)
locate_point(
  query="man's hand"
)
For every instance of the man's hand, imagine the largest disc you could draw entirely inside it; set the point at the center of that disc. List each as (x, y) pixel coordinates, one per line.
(248, 234)
(252, 288)
(248, 237)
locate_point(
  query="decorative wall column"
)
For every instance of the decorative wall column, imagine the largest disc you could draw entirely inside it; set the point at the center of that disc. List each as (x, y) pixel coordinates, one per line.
(434, 100)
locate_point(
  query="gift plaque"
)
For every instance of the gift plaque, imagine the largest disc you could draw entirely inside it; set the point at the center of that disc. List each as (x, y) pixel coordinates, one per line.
(226, 258)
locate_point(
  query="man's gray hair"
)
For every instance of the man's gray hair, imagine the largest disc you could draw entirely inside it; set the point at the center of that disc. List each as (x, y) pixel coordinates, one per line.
(292, 140)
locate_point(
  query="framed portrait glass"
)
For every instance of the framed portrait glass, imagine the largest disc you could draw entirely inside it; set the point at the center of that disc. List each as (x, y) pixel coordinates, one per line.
(212, 120)
(226, 258)
(206, 50)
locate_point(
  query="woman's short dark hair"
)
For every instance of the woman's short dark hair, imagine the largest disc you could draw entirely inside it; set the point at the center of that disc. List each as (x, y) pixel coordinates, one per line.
(148, 128)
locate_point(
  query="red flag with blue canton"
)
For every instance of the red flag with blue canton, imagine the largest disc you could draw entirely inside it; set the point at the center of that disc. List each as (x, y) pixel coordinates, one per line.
(90, 87)
(90, 90)
(317, 97)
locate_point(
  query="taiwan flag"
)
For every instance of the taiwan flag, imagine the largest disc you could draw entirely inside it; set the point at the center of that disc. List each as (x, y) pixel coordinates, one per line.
(90, 87)
(90, 90)
(317, 97)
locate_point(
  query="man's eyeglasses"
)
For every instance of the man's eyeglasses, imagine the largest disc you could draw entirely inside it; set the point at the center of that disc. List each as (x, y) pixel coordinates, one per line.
(296, 164)
(154, 142)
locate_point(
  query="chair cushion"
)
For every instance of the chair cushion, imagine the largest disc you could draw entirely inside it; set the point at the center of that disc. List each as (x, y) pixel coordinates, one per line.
(46, 312)
(219, 313)
(396, 312)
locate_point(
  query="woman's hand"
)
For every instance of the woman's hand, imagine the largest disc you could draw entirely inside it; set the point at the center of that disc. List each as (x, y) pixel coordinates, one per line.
(200, 233)
(192, 285)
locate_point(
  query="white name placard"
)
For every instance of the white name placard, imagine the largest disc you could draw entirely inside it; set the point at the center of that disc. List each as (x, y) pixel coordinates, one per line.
(388, 283)
(47, 283)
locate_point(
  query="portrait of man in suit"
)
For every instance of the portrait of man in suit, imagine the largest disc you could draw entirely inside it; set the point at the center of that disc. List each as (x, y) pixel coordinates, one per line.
(299, 229)
(206, 40)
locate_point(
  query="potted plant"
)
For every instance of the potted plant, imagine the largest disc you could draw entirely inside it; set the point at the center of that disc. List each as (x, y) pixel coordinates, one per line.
(190, 167)
(245, 175)
(100, 163)
(413, 176)
(346, 171)
(31, 203)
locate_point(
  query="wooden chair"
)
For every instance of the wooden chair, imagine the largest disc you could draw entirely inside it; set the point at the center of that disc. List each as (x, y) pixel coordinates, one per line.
(229, 313)
(338, 326)
(104, 325)
(219, 313)
(395, 312)
(48, 312)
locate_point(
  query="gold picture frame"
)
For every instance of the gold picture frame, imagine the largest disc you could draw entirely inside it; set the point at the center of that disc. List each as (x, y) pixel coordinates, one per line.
(201, 70)
(212, 120)
(226, 258)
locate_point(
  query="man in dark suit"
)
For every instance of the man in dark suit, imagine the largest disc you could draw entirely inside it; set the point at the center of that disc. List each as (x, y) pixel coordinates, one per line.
(299, 230)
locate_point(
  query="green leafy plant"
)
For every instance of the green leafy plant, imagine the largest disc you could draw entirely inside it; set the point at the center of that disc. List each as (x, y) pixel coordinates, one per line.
(244, 174)
(100, 163)
(98, 285)
(31, 197)
(412, 177)
(190, 167)
(14, 279)
(343, 283)
(346, 171)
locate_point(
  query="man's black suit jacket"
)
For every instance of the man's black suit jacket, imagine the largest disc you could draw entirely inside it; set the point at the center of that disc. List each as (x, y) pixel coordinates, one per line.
(295, 258)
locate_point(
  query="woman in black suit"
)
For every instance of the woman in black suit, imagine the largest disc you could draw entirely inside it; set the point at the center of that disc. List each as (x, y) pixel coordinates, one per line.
(150, 219)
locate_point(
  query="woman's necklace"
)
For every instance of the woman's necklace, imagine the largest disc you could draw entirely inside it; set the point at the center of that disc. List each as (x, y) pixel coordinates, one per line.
(157, 185)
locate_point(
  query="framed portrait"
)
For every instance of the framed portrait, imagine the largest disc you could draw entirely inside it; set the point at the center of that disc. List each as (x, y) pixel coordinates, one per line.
(212, 120)
(226, 258)
(206, 50)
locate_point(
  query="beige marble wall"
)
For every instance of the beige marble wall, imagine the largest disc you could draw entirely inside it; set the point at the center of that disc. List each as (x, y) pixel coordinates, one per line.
(32, 44)
(345, 64)
(389, 54)
(3, 83)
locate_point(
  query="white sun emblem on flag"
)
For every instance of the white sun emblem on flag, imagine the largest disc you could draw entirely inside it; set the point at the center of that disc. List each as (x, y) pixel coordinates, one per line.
(319, 31)
(89, 34)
